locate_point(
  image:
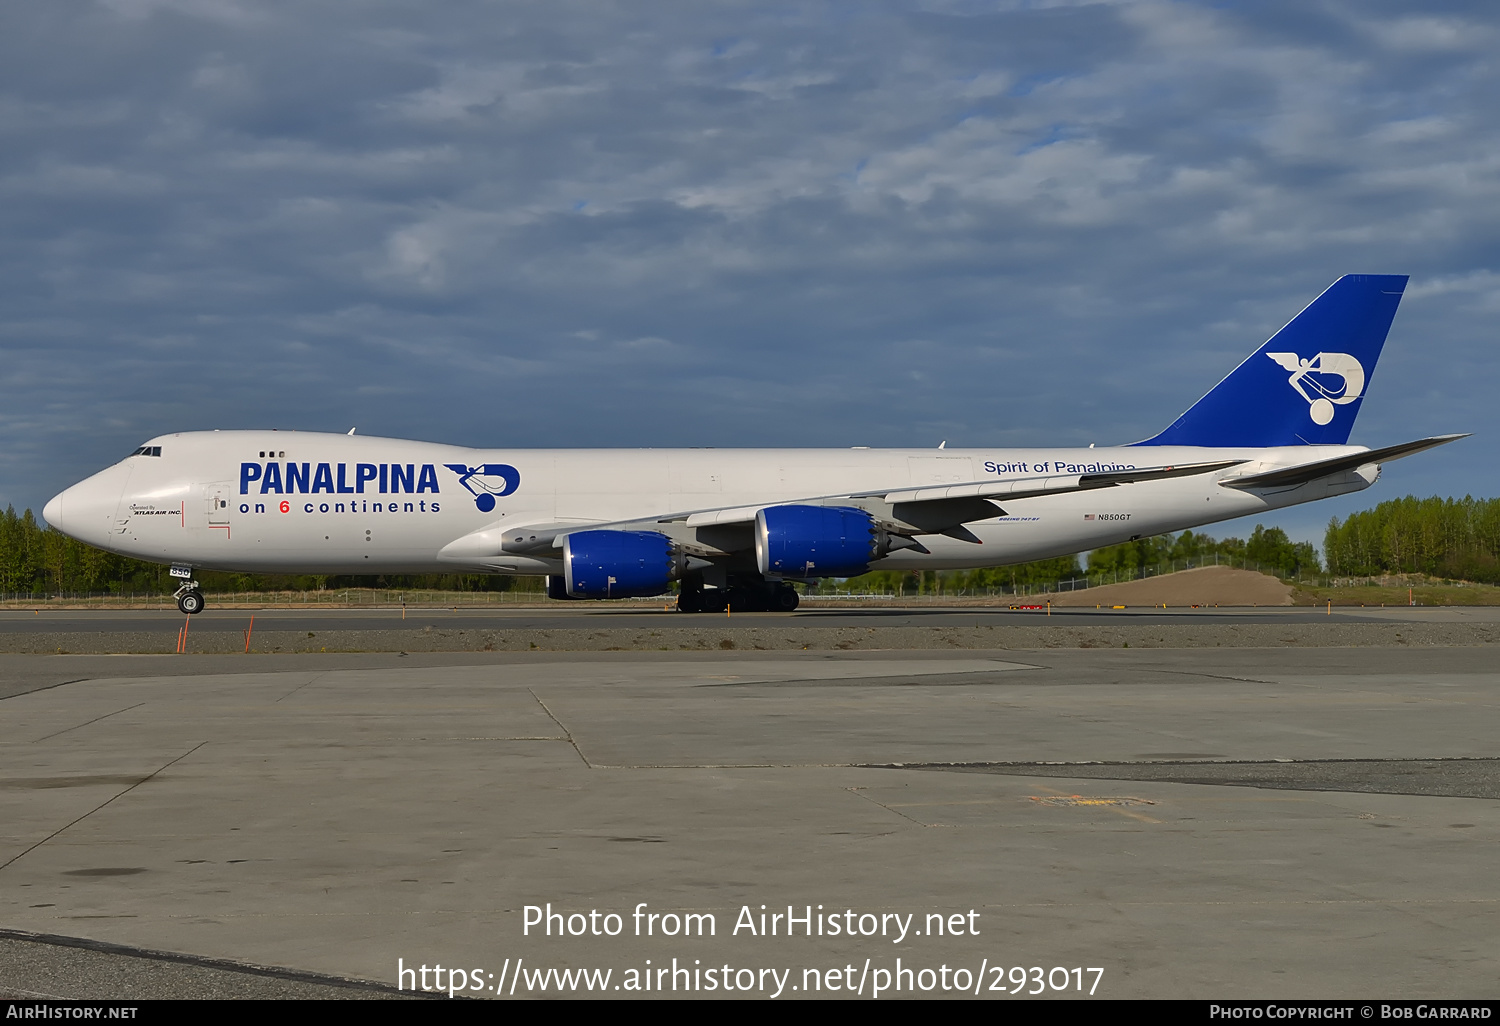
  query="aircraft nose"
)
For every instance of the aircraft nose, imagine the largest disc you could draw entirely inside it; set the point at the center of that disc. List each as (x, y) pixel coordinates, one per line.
(86, 511)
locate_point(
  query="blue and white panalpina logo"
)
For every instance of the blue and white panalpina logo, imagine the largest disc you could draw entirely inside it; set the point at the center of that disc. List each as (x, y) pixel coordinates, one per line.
(1325, 381)
(487, 481)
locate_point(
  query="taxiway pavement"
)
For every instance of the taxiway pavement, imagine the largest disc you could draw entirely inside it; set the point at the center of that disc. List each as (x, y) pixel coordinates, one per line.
(1271, 822)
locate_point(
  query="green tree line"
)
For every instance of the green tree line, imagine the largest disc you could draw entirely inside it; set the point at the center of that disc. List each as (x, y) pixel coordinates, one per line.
(1454, 538)
(1267, 548)
(37, 560)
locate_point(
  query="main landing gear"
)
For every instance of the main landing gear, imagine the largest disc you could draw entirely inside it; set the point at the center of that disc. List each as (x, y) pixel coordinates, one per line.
(753, 595)
(189, 598)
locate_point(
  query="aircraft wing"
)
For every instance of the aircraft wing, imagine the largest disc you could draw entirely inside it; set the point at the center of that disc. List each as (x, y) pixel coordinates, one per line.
(1292, 476)
(1015, 488)
(944, 509)
(906, 511)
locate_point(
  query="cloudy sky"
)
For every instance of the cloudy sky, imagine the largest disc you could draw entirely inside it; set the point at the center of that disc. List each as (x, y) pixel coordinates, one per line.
(662, 224)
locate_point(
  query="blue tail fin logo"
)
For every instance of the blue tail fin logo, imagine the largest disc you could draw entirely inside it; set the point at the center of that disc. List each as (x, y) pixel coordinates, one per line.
(1330, 350)
(1309, 376)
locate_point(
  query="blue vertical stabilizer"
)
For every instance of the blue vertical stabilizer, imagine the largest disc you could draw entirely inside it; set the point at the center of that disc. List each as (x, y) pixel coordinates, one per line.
(1304, 386)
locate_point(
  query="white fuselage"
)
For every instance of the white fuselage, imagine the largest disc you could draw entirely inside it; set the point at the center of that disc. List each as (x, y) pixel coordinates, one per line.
(344, 504)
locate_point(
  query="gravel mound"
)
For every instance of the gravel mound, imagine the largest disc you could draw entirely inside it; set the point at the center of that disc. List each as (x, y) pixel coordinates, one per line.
(1205, 586)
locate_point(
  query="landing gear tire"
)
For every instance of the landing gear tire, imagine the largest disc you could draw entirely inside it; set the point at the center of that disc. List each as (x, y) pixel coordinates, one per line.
(190, 602)
(785, 600)
(690, 602)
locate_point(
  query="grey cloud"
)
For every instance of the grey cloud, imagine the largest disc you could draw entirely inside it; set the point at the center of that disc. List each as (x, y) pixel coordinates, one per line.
(741, 224)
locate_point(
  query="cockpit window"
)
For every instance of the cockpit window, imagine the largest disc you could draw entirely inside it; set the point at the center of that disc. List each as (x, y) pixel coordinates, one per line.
(148, 450)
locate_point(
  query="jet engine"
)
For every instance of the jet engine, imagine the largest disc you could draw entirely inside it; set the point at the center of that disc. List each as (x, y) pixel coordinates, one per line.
(621, 564)
(821, 541)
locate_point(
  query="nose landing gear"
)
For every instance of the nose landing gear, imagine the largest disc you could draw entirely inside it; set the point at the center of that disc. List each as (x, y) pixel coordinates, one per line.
(189, 598)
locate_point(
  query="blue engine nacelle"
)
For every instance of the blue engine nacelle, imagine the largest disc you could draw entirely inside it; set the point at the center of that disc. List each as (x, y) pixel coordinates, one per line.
(619, 564)
(818, 541)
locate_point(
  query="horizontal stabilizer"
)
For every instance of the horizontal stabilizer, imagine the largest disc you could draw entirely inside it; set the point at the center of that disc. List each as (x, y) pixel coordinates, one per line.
(1339, 464)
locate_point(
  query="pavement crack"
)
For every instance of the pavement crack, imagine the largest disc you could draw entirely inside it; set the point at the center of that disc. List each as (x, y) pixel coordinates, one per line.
(566, 732)
(311, 680)
(44, 687)
(85, 723)
(14, 859)
(1220, 676)
(860, 792)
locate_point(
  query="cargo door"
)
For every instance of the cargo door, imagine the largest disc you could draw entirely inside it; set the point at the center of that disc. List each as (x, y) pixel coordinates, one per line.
(217, 502)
